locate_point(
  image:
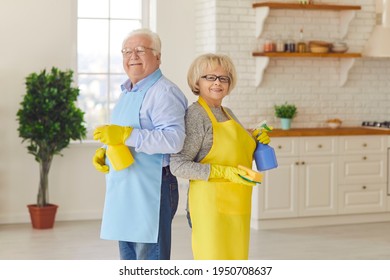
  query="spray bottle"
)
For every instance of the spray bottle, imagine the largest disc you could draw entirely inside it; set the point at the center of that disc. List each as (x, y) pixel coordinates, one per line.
(264, 155)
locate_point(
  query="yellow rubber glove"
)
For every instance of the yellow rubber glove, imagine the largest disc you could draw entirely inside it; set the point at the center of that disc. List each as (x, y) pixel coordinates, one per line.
(112, 134)
(99, 160)
(119, 156)
(228, 173)
(261, 135)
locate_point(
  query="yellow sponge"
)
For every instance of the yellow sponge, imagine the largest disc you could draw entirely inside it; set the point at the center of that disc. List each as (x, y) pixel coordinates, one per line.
(251, 175)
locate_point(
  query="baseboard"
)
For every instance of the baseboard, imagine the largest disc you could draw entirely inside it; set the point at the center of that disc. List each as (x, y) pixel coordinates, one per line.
(319, 221)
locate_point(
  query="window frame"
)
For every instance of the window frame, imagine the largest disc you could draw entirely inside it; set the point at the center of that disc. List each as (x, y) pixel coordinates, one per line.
(148, 16)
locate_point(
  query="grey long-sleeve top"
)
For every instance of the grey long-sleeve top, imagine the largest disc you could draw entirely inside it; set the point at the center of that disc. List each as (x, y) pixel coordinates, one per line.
(198, 142)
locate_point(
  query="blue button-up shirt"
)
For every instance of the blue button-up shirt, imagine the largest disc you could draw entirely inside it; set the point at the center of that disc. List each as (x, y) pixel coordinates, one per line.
(161, 118)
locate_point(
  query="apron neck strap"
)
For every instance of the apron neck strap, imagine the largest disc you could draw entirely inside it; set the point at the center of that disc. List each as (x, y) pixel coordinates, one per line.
(206, 107)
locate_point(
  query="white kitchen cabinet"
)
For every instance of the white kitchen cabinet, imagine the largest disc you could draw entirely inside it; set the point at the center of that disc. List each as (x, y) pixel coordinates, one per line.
(317, 186)
(279, 191)
(364, 168)
(363, 174)
(304, 184)
(362, 198)
(325, 180)
(363, 144)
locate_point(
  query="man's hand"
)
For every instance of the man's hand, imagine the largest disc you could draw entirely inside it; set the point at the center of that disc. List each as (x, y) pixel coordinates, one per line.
(112, 134)
(99, 160)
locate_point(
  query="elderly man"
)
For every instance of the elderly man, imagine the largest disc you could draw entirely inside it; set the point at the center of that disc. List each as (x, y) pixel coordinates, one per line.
(147, 124)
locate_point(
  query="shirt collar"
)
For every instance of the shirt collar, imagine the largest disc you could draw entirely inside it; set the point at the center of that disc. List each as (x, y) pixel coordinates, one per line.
(127, 85)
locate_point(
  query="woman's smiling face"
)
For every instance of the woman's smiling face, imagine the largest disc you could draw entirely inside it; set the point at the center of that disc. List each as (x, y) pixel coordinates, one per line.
(213, 91)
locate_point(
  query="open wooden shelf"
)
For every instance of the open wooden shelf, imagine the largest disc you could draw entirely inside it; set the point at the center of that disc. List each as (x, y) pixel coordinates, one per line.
(346, 62)
(307, 54)
(346, 14)
(297, 6)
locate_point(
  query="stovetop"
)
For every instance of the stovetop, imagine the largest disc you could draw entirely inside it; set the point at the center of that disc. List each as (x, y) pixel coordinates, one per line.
(377, 125)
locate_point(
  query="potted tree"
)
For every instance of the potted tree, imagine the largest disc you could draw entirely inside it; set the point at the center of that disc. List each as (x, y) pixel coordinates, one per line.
(48, 119)
(286, 112)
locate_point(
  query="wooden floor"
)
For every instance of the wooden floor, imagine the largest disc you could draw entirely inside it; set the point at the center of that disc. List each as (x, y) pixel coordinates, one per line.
(79, 240)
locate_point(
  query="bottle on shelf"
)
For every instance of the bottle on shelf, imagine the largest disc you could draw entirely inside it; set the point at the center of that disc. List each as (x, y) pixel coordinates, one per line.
(301, 45)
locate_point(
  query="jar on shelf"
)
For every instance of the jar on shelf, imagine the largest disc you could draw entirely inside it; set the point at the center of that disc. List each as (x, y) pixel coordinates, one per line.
(280, 45)
(269, 45)
(289, 45)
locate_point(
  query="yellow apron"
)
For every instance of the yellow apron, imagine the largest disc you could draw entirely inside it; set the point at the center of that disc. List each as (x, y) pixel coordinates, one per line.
(220, 210)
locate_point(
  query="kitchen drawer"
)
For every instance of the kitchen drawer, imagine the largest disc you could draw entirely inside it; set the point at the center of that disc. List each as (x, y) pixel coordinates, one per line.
(370, 168)
(285, 146)
(318, 146)
(363, 144)
(362, 198)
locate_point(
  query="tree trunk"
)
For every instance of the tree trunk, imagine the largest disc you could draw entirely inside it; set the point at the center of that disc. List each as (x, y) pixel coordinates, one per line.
(43, 194)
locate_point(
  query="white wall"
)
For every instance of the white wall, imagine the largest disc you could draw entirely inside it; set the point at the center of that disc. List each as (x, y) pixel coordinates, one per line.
(40, 33)
(176, 27)
(37, 34)
(312, 84)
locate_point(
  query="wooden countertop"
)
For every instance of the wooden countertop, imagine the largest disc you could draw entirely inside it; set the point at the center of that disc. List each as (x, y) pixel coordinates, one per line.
(342, 131)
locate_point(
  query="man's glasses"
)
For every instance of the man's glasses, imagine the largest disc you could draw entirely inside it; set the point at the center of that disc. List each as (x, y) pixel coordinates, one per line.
(213, 78)
(139, 51)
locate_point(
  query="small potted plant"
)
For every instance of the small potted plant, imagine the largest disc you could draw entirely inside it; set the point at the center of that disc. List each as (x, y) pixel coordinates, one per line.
(48, 119)
(286, 112)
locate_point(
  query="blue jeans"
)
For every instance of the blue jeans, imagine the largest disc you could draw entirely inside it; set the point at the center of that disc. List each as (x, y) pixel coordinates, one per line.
(168, 206)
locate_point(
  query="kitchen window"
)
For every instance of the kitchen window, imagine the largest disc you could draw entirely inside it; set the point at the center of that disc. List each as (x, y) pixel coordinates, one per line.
(101, 28)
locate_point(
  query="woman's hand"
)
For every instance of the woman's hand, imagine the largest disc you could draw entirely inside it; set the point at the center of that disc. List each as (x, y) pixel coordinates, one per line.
(261, 135)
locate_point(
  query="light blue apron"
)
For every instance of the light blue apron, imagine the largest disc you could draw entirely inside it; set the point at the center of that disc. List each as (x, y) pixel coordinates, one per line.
(132, 203)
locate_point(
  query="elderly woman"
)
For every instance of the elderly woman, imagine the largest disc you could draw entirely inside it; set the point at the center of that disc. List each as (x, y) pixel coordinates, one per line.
(216, 143)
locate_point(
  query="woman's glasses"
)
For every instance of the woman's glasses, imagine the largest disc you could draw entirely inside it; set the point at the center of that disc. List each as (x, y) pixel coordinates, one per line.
(213, 78)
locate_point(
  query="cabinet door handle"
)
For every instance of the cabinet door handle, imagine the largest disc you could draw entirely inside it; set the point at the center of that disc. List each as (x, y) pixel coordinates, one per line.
(297, 163)
(303, 163)
(364, 187)
(365, 145)
(364, 158)
(279, 147)
(320, 146)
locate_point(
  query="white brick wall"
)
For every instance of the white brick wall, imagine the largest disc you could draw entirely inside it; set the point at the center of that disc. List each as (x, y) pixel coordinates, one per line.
(228, 26)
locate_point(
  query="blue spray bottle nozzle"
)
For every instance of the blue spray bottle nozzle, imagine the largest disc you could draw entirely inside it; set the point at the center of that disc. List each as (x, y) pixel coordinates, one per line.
(263, 124)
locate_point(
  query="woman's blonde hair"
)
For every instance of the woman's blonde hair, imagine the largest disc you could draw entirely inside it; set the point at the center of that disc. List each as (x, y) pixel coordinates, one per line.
(201, 63)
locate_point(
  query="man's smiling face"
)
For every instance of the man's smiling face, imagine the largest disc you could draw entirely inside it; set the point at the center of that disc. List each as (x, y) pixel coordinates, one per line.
(142, 64)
